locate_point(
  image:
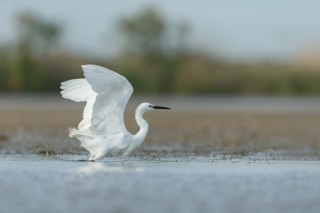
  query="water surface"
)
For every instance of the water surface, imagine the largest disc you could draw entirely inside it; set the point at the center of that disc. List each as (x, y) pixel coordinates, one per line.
(33, 184)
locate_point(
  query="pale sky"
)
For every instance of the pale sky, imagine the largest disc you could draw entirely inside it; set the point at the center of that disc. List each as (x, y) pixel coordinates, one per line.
(234, 28)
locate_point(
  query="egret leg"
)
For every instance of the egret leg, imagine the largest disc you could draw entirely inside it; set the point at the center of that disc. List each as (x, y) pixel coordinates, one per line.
(91, 158)
(97, 156)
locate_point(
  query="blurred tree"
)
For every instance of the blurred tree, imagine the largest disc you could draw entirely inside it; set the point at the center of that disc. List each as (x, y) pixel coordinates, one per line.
(147, 37)
(37, 39)
(144, 34)
(37, 35)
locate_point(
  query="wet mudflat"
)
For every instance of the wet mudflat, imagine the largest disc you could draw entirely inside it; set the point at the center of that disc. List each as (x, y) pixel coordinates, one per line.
(65, 184)
(38, 124)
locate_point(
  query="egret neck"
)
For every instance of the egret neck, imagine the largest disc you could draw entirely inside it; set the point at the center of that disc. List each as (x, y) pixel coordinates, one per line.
(143, 125)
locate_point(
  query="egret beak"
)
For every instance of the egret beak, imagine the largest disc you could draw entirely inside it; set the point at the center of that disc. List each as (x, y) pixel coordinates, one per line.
(160, 107)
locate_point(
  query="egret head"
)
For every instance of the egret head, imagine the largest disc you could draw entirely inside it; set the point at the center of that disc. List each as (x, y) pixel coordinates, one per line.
(145, 107)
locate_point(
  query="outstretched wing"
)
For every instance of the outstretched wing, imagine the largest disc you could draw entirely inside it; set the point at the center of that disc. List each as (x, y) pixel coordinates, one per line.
(77, 90)
(113, 92)
(80, 90)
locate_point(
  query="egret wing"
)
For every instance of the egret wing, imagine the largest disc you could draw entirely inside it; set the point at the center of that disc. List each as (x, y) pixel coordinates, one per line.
(113, 92)
(77, 90)
(80, 90)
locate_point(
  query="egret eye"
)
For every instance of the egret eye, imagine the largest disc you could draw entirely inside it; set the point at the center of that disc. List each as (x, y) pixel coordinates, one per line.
(150, 106)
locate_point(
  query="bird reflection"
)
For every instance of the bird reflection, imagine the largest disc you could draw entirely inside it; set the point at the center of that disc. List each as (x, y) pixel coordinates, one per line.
(99, 167)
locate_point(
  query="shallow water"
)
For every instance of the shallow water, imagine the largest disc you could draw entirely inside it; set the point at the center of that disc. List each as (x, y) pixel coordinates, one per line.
(65, 184)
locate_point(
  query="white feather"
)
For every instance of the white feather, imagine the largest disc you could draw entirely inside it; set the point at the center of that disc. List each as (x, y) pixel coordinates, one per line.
(113, 92)
(77, 90)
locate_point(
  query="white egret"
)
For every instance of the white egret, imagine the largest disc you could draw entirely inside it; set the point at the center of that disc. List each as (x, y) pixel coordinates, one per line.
(102, 128)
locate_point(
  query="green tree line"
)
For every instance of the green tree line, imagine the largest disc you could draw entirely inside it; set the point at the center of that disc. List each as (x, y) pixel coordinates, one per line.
(155, 57)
